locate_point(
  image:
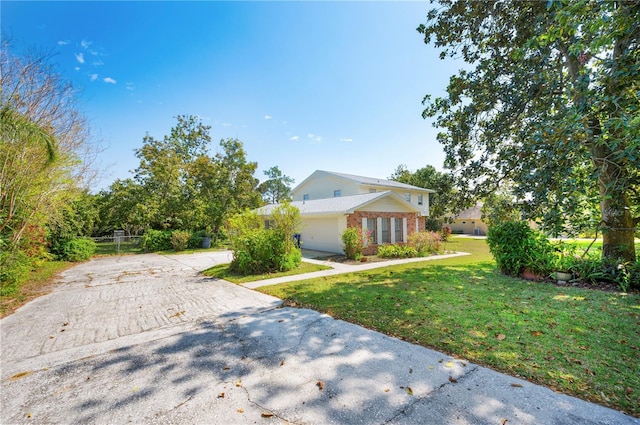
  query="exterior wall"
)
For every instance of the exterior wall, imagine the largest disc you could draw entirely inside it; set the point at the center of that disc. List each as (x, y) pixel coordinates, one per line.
(412, 219)
(469, 226)
(414, 196)
(323, 234)
(323, 185)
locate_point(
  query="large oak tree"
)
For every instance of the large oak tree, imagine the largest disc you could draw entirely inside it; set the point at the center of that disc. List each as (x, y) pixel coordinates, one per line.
(549, 100)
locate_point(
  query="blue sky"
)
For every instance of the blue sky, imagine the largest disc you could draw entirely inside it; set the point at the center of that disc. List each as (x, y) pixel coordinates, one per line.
(304, 85)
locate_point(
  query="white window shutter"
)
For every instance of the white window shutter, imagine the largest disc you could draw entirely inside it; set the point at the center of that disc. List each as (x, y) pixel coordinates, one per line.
(404, 229)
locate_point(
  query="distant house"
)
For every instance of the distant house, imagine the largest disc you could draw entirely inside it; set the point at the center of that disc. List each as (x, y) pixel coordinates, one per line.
(330, 202)
(469, 222)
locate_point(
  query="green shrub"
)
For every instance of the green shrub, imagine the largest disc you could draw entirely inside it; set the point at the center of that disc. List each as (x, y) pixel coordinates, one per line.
(425, 243)
(195, 241)
(77, 249)
(397, 251)
(516, 247)
(156, 240)
(354, 239)
(257, 250)
(180, 240)
(14, 269)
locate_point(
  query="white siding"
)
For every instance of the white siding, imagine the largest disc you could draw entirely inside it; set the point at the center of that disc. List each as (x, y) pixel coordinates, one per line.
(386, 205)
(322, 186)
(323, 234)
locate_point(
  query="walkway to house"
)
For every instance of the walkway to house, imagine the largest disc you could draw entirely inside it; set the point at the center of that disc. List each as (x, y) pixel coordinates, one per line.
(147, 339)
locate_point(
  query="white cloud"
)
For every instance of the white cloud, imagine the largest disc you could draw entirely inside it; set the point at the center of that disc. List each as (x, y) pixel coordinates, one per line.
(130, 86)
(109, 80)
(226, 124)
(268, 117)
(85, 44)
(295, 138)
(346, 139)
(314, 138)
(94, 77)
(77, 68)
(80, 57)
(63, 42)
(98, 63)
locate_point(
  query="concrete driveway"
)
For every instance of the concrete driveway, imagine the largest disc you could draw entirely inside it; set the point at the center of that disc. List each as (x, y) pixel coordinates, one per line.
(146, 339)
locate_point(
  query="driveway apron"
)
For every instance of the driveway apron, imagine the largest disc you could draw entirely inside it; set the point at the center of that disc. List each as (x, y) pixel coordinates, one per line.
(147, 339)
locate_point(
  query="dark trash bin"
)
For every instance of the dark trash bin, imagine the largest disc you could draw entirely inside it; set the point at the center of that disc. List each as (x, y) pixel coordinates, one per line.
(296, 238)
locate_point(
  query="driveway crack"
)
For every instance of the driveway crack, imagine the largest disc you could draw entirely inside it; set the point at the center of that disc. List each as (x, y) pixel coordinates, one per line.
(458, 381)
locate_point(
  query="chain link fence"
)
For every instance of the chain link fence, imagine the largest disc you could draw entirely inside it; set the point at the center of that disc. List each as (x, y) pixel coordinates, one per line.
(118, 244)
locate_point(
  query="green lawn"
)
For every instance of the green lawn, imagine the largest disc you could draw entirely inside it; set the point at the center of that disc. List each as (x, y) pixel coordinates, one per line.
(577, 341)
(222, 271)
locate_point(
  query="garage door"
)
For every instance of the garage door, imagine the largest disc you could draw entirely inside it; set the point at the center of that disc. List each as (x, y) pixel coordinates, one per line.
(321, 234)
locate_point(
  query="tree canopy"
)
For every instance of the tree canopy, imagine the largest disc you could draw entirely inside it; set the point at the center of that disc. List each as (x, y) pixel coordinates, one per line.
(442, 202)
(548, 100)
(277, 187)
(180, 185)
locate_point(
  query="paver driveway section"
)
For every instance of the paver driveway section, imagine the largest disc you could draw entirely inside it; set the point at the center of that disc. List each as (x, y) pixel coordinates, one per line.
(146, 339)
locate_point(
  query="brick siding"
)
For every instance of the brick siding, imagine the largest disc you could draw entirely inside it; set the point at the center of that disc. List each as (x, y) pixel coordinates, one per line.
(355, 220)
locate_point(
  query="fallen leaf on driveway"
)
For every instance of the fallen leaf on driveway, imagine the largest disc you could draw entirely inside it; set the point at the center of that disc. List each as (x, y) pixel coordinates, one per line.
(409, 390)
(240, 410)
(266, 415)
(221, 395)
(320, 385)
(238, 383)
(516, 385)
(449, 364)
(20, 375)
(452, 379)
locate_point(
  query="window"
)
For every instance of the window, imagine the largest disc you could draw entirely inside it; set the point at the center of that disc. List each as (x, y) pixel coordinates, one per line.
(398, 230)
(337, 193)
(407, 197)
(420, 199)
(305, 197)
(372, 227)
(386, 230)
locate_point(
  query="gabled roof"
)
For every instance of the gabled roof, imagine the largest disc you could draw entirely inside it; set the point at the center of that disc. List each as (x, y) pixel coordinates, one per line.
(370, 181)
(474, 212)
(340, 204)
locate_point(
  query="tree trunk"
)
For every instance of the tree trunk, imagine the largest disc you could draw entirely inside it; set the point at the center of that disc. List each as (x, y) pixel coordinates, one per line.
(617, 222)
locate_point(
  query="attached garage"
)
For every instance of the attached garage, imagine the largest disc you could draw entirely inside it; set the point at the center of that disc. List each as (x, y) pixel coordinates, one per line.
(323, 233)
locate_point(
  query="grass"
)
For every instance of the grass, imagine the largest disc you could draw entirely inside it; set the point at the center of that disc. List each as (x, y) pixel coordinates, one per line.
(37, 284)
(576, 341)
(222, 271)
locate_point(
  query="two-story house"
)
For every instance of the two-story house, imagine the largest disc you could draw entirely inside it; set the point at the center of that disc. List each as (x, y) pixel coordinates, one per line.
(330, 202)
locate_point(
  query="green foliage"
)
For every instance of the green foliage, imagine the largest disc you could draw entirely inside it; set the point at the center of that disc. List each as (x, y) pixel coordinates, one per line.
(180, 240)
(195, 241)
(75, 249)
(397, 251)
(277, 188)
(548, 100)
(156, 240)
(354, 240)
(258, 250)
(516, 247)
(443, 201)
(14, 269)
(425, 243)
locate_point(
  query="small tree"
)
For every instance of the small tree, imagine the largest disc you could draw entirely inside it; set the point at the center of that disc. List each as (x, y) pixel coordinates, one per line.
(258, 250)
(354, 240)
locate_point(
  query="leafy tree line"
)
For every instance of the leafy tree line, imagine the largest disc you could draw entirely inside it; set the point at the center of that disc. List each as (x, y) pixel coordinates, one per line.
(548, 104)
(46, 153)
(181, 185)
